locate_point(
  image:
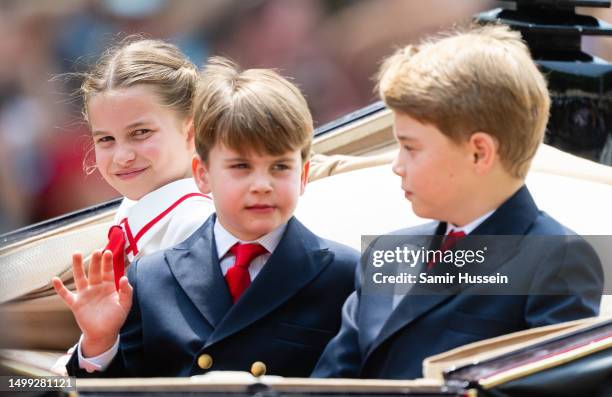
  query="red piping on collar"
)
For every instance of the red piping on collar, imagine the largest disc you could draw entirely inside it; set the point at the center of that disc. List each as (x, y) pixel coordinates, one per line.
(133, 241)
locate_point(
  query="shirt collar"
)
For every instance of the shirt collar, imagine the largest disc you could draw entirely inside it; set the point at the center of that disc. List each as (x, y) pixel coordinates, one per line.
(469, 228)
(152, 204)
(224, 240)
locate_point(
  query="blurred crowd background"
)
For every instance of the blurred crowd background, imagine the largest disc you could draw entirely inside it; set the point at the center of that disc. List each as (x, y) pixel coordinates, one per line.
(331, 48)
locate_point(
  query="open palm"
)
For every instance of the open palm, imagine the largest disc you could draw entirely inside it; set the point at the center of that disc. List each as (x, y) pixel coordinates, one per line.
(98, 308)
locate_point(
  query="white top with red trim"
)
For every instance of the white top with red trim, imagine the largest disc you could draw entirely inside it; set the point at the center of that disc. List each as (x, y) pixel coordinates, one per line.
(159, 220)
(162, 218)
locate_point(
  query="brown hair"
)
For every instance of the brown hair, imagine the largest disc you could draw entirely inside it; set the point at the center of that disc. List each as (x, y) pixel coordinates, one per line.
(482, 79)
(154, 63)
(254, 109)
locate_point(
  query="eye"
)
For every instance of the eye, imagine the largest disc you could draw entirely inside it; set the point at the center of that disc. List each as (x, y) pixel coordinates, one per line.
(143, 132)
(280, 167)
(104, 139)
(239, 166)
(408, 148)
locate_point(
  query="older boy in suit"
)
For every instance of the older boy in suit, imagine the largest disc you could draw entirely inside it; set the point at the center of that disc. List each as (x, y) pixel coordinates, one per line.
(469, 113)
(252, 289)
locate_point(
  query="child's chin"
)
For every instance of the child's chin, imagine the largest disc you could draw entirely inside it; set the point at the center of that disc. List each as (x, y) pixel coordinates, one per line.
(420, 211)
(260, 229)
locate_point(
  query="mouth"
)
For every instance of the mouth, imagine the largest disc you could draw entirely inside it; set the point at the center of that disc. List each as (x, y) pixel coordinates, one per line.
(260, 208)
(408, 194)
(131, 173)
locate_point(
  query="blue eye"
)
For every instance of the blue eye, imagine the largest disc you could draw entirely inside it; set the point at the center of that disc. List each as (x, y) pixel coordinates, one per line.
(240, 166)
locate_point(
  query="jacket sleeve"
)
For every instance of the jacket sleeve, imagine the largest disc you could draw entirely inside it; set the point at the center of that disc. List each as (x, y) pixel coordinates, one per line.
(342, 355)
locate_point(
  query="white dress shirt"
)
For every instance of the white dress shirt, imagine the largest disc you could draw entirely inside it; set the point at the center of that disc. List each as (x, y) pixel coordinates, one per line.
(470, 227)
(224, 240)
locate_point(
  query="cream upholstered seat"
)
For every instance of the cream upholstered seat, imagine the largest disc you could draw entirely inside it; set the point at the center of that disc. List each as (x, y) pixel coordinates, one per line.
(360, 196)
(368, 199)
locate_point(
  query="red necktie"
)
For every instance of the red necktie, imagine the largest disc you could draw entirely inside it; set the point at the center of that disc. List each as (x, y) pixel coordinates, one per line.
(237, 276)
(116, 244)
(450, 240)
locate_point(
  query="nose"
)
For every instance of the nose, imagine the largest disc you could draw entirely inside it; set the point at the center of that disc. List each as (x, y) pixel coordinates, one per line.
(261, 183)
(124, 155)
(397, 167)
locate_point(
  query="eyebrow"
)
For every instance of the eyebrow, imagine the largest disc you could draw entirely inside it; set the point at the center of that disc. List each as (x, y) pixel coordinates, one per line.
(232, 159)
(136, 124)
(402, 138)
(284, 159)
(281, 160)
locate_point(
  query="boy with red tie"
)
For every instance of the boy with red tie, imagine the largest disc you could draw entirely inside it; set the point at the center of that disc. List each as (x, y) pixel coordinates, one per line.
(252, 289)
(469, 112)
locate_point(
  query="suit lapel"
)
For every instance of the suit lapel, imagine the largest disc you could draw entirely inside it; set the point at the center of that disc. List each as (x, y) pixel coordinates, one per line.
(297, 260)
(503, 232)
(409, 309)
(416, 303)
(412, 305)
(195, 265)
(513, 217)
(421, 300)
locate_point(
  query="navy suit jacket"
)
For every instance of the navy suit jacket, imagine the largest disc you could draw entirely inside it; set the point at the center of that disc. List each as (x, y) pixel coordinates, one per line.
(378, 340)
(182, 309)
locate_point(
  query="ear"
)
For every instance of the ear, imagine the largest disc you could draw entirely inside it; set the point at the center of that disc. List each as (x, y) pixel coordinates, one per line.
(483, 149)
(304, 177)
(201, 174)
(189, 128)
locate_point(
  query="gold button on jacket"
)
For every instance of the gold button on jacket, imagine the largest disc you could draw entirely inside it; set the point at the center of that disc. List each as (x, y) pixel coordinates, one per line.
(258, 368)
(205, 361)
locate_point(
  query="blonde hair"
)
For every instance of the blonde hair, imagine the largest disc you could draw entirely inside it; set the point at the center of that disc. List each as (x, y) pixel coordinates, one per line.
(154, 63)
(482, 79)
(254, 109)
